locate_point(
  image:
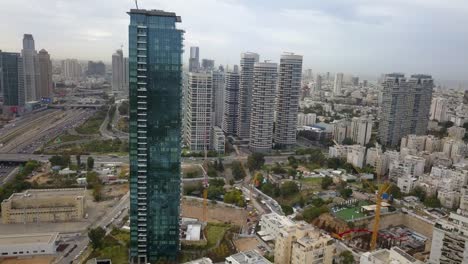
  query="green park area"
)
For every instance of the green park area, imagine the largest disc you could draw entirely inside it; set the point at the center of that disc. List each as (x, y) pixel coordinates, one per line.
(114, 247)
(92, 125)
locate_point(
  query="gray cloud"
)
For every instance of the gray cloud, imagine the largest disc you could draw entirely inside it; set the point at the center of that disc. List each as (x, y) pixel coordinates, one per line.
(365, 37)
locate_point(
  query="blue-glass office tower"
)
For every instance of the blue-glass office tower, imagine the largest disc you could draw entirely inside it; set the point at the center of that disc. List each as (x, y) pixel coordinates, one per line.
(11, 78)
(155, 74)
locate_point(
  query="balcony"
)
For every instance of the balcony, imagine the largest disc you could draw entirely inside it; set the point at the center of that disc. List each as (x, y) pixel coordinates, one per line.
(141, 69)
(142, 90)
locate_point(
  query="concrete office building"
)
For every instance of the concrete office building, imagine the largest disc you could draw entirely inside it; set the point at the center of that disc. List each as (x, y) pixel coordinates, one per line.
(44, 205)
(208, 64)
(71, 69)
(338, 85)
(155, 135)
(271, 225)
(318, 83)
(28, 244)
(231, 103)
(361, 130)
(405, 107)
(194, 60)
(45, 75)
(263, 101)
(11, 79)
(247, 63)
(287, 100)
(118, 82)
(303, 243)
(341, 130)
(450, 240)
(198, 107)
(30, 68)
(218, 97)
(96, 68)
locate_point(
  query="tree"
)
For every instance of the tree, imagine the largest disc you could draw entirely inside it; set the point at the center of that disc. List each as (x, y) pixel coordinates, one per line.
(237, 170)
(255, 161)
(90, 163)
(288, 188)
(346, 257)
(220, 166)
(346, 193)
(287, 210)
(432, 201)
(62, 161)
(347, 141)
(326, 182)
(277, 169)
(212, 171)
(78, 161)
(394, 191)
(419, 192)
(268, 189)
(293, 162)
(96, 236)
(310, 213)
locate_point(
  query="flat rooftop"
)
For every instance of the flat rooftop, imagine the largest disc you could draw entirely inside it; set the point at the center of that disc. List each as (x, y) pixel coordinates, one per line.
(48, 238)
(47, 193)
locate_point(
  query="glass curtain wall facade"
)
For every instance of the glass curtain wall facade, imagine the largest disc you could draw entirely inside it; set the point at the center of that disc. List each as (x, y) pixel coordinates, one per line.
(155, 76)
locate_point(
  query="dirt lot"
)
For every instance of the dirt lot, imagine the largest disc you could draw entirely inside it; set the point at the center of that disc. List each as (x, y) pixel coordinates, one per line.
(114, 190)
(216, 212)
(31, 260)
(246, 244)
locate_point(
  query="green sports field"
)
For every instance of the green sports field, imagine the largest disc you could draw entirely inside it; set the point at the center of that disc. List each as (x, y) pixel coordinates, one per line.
(348, 214)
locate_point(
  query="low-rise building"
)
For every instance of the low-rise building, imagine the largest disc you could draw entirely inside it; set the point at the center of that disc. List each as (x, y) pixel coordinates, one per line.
(47, 205)
(28, 244)
(406, 184)
(306, 119)
(247, 257)
(448, 198)
(456, 132)
(218, 140)
(356, 155)
(303, 243)
(384, 256)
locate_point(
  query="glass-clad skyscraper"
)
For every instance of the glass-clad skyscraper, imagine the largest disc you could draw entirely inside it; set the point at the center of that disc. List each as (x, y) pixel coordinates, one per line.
(155, 72)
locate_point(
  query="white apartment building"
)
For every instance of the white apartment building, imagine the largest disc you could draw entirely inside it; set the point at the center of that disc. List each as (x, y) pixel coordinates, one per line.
(361, 130)
(71, 69)
(246, 87)
(338, 151)
(247, 257)
(450, 240)
(449, 198)
(384, 256)
(287, 100)
(303, 243)
(272, 224)
(439, 108)
(263, 101)
(406, 183)
(198, 105)
(433, 144)
(399, 117)
(28, 244)
(356, 155)
(341, 130)
(338, 85)
(306, 119)
(464, 198)
(456, 132)
(231, 103)
(414, 142)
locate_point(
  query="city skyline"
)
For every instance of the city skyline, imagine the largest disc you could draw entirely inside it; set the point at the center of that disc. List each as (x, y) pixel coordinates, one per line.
(358, 37)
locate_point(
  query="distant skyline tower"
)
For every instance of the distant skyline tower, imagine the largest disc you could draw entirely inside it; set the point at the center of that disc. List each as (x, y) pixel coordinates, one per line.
(287, 100)
(11, 78)
(118, 71)
(71, 69)
(219, 85)
(231, 102)
(247, 63)
(208, 64)
(30, 68)
(45, 75)
(406, 104)
(194, 60)
(318, 82)
(263, 102)
(198, 111)
(155, 135)
(338, 85)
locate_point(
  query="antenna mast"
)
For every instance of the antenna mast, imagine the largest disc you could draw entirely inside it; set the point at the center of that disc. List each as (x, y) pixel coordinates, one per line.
(136, 3)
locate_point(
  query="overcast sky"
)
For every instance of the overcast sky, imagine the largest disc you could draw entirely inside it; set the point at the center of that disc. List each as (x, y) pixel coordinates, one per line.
(362, 37)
